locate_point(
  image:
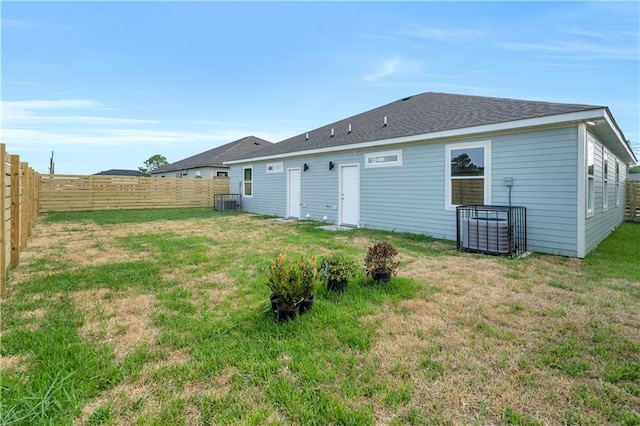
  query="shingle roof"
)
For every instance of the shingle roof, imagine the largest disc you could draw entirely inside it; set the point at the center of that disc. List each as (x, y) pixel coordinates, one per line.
(120, 172)
(419, 114)
(217, 156)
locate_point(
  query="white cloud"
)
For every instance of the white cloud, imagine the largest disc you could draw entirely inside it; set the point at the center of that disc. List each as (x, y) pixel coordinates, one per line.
(38, 125)
(440, 34)
(39, 111)
(19, 23)
(386, 69)
(576, 49)
(6, 22)
(32, 138)
(48, 104)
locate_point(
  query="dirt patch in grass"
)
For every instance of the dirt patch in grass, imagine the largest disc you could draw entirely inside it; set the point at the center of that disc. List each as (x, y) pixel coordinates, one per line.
(34, 318)
(173, 359)
(118, 320)
(217, 387)
(122, 401)
(13, 362)
(130, 399)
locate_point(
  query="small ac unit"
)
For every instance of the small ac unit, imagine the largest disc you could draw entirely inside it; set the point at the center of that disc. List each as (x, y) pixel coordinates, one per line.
(490, 235)
(499, 230)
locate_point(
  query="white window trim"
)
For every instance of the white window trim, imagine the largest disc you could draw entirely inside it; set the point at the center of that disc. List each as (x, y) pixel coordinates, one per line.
(278, 167)
(447, 167)
(591, 189)
(397, 152)
(253, 179)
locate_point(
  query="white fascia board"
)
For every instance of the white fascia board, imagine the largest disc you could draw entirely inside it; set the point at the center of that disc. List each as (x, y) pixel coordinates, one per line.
(618, 134)
(467, 131)
(581, 207)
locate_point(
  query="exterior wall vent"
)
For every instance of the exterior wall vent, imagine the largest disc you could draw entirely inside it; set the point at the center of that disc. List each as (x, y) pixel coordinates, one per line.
(497, 230)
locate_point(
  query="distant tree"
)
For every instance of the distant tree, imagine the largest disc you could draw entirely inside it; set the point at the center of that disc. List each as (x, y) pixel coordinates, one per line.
(461, 162)
(154, 162)
(634, 169)
(462, 165)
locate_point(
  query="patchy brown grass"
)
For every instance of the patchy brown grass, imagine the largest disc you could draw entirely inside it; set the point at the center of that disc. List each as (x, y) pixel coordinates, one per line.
(121, 321)
(467, 349)
(15, 362)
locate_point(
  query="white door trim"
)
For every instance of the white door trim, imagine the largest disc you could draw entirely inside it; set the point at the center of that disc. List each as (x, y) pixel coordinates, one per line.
(340, 194)
(289, 191)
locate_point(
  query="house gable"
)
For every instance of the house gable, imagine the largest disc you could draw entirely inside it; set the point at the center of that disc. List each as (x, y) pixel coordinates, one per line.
(213, 160)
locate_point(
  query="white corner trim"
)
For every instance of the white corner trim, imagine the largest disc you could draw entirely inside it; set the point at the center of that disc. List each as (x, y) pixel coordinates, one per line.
(581, 176)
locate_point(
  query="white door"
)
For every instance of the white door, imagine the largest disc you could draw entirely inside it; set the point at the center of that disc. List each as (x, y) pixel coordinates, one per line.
(293, 193)
(350, 195)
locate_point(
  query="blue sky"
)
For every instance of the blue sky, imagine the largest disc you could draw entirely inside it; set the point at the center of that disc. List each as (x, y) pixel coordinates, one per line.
(106, 85)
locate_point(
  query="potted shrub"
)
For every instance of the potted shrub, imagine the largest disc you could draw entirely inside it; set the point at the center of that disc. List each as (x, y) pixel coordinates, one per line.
(307, 270)
(285, 287)
(338, 269)
(291, 282)
(380, 263)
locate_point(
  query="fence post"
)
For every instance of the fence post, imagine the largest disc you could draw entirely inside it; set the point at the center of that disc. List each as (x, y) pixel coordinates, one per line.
(35, 198)
(3, 224)
(16, 216)
(24, 205)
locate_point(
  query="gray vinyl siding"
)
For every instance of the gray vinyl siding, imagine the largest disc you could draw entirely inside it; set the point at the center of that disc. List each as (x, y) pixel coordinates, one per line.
(408, 198)
(544, 166)
(411, 197)
(603, 222)
(269, 190)
(319, 185)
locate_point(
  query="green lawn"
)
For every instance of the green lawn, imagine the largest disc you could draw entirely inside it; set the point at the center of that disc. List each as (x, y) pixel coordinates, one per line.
(162, 317)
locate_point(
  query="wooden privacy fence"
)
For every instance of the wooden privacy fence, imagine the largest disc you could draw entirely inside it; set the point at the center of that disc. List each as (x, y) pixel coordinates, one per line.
(632, 202)
(18, 210)
(64, 193)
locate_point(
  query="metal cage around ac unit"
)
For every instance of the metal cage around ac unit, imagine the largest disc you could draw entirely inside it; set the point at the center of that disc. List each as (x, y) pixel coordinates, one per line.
(496, 230)
(227, 202)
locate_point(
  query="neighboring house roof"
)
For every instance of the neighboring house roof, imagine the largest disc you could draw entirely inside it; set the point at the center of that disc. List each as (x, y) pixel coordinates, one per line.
(217, 156)
(438, 114)
(120, 172)
(634, 176)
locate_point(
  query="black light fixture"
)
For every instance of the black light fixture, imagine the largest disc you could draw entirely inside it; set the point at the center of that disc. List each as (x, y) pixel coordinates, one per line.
(306, 167)
(330, 165)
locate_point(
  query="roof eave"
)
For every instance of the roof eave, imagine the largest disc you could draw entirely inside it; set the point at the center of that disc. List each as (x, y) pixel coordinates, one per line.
(462, 132)
(619, 135)
(197, 166)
